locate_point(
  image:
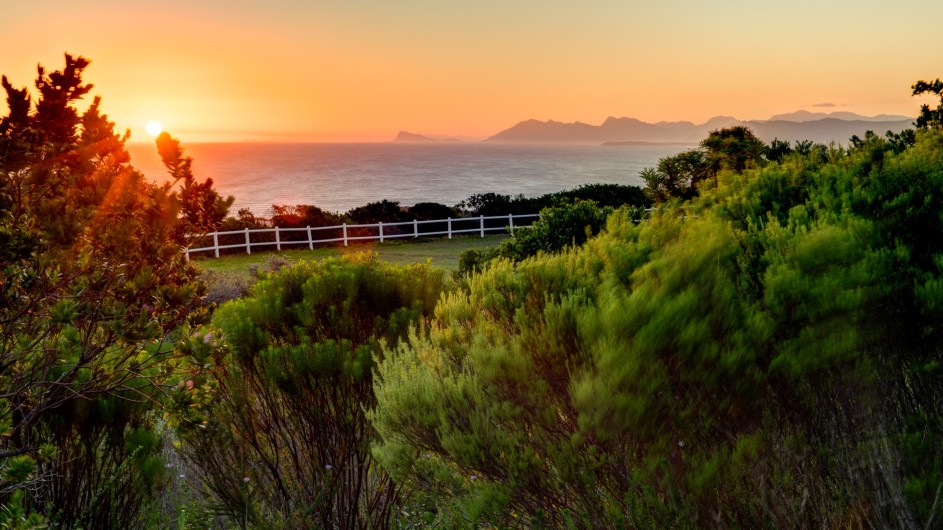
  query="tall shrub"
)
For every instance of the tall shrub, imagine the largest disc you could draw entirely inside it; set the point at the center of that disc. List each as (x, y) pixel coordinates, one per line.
(286, 441)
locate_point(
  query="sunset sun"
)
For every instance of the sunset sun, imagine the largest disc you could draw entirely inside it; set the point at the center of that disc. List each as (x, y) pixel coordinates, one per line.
(153, 128)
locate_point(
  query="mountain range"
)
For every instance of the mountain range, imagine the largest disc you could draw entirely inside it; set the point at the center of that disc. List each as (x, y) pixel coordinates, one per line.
(802, 125)
(794, 126)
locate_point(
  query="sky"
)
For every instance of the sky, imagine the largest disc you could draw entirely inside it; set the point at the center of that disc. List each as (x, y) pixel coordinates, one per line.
(362, 70)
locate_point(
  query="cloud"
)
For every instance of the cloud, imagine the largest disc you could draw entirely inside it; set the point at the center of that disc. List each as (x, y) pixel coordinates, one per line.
(827, 104)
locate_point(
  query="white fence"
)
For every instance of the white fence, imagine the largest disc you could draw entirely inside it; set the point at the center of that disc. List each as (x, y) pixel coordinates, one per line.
(459, 225)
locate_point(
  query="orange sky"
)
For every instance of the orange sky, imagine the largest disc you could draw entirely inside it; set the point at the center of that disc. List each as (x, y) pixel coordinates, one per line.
(358, 70)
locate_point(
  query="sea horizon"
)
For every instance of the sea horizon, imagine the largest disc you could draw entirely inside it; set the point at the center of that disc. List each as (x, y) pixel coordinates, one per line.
(338, 176)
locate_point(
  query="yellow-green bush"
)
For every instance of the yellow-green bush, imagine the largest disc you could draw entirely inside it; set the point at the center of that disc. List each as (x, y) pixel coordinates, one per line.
(767, 355)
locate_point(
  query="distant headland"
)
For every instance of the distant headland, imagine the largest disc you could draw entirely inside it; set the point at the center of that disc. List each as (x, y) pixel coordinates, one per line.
(408, 137)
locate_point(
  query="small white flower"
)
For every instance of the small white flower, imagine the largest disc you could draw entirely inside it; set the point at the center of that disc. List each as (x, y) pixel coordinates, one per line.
(180, 475)
(681, 443)
(245, 479)
(474, 477)
(328, 467)
(168, 465)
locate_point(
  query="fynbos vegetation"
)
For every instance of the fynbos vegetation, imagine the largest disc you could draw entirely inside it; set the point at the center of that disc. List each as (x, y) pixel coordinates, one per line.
(761, 351)
(766, 355)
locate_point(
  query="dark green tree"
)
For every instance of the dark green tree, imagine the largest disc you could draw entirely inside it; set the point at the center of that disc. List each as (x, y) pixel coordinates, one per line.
(487, 204)
(386, 211)
(431, 211)
(929, 118)
(92, 284)
(735, 148)
(677, 176)
(778, 150)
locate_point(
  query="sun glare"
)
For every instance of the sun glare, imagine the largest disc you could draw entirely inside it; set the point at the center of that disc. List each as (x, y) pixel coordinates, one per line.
(153, 128)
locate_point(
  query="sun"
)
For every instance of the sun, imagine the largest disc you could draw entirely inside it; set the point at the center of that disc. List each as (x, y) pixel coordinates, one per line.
(153, 128)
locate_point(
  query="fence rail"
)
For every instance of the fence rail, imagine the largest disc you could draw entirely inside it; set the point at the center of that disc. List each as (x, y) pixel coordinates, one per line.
(360, 232)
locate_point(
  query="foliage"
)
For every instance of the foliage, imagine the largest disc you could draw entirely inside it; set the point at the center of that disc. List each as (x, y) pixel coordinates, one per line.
(558, 228)
(298, 216)
(202, 209)
(735, 148)
(92, 285)
(770, 358)
(491, 204)
(567, 218)
(386, 211)
(732, 148)
(676, 176)
(605, 195)
(778, 150)
(282, 437)
(929, 118)
(431, 211)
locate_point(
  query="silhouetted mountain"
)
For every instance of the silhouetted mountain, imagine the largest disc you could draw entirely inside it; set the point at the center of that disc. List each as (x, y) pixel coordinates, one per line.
(824, 130)
(804, 115)
(626, 131)
(408, 137)
(719, 122)
(550, 132)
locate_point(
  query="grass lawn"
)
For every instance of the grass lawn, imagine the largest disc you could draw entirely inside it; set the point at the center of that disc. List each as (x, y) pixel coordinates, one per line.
(229, 276)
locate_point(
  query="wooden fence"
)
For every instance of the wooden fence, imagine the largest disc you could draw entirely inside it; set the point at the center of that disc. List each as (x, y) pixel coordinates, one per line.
(280, 237)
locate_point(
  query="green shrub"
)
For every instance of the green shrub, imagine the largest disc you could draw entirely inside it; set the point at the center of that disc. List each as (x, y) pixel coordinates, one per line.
(285, 441)
(559, 227)
(770, 358)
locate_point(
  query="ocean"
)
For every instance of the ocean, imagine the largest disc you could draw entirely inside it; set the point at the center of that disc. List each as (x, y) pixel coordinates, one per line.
(338, 177)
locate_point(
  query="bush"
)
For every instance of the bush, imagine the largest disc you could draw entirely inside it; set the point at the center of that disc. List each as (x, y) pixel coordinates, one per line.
(431, 211)
(559, 227)
(286, 442)
(303, 215)
(382, 211)
(771, 358)
(489, 204)
(605, 195)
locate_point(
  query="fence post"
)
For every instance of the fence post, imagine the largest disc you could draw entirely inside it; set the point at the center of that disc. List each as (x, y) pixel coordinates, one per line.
(450, 228)
(278, 240)
(248, 245)
(511, 223)
(186, 253)
(345, 234)
(415, 228)
(482, 219)
(310, 241)
(216, 244)
(381, 231)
